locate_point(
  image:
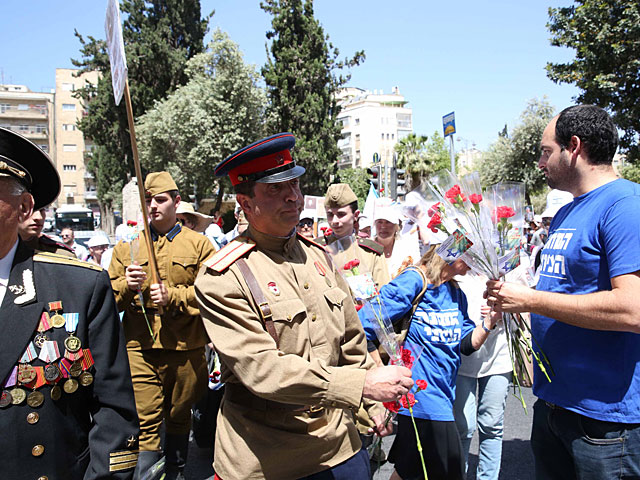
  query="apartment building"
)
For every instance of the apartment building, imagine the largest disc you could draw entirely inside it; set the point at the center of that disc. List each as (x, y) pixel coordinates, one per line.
(28, 113)
(72, 150)
(372, 123)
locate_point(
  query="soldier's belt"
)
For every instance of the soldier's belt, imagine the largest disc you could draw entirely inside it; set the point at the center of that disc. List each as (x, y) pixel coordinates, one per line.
(238, 394)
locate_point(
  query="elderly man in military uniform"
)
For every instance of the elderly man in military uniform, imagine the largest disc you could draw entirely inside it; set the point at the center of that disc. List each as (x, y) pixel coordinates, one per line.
(293, 353)
(165, 335)
(67, 409)
(341, 205)
(30, 231)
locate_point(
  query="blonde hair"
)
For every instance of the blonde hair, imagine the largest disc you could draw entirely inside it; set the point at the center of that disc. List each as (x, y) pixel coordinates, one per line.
(433, 265)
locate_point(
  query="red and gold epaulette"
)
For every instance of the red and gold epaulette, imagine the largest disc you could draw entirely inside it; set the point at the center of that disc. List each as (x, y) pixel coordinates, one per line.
(371, 245)
(312, 242)
(223, 258)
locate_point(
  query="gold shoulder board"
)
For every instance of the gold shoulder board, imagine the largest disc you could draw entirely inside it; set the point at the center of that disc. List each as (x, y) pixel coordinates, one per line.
(47, 257)
(223, 258)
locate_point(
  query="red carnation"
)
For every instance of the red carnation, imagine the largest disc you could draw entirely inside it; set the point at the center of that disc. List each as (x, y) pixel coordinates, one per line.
(435, 222)
(504, 212)
(391, 406)
(407, 358)
(475, 198)
(452, 193)
(433, 209)
(358, 307)
(421, 384)
(408, 400)
(328, 232)
(355, 263)
(347, 266)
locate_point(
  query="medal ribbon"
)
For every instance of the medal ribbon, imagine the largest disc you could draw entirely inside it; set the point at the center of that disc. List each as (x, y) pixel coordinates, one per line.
(55, 306)
(50, 352)
(29, 354)
(12, 378)
(65, 365)
(73, 356)
(87, 359)
(39, 380)
(71, 321)
(44, 324)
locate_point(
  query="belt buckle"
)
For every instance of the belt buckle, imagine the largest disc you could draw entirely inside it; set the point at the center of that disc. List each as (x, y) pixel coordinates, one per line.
(315, 411)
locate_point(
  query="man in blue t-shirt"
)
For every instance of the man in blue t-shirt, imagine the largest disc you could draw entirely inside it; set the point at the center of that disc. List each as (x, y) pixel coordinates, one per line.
(586, 307)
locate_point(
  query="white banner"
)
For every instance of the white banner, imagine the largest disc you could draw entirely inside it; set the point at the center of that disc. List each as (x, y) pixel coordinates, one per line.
(115, 47)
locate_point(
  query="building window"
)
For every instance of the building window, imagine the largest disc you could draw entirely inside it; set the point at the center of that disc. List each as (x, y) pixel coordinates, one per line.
(69, 147)
(392, 135)
(23, 106)
(69, 107)
(357, 121)
(68, 127)
(40, 129)
(382, 136)
(44, 148)
(69, 168)
(68, 87)
(23, 128)
(4, 107)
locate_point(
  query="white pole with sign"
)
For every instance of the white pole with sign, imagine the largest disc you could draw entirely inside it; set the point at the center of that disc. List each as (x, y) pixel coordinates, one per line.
(449, 128)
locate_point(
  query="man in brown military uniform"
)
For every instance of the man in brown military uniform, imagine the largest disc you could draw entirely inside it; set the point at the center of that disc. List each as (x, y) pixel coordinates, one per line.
(292, 348)
(341, 205)
(166, 349)
(30, 231)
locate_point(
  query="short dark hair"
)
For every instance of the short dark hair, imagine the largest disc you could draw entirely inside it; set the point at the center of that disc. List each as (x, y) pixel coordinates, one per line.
(595, 129)
(173, 194)
(354, 206)
(245, 188)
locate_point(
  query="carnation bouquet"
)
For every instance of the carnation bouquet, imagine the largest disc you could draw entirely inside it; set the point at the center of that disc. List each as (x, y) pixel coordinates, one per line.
(484, 228)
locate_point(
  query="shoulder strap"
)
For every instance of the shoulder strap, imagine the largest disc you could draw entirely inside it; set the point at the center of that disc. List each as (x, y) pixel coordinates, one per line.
(405, 323)
(258, 296)
(231, 252)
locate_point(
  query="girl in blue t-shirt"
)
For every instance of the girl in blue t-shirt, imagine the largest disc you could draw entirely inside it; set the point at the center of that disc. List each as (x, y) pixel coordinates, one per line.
(441, 327)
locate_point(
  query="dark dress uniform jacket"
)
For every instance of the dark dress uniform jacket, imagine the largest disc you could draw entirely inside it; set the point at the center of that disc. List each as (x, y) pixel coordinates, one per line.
(91, 433)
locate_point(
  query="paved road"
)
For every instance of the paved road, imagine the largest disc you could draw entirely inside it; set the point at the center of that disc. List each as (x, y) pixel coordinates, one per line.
(517, 461)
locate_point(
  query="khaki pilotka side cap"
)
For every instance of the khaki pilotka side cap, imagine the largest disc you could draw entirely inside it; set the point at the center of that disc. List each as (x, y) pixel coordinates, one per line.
(157, 183)
(339, 195)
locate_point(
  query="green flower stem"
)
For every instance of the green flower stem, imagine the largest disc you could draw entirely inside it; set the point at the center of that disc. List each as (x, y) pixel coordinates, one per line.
(415, 429)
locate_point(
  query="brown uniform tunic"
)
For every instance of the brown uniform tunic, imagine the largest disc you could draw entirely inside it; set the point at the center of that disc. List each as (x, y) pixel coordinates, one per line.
(321, 359)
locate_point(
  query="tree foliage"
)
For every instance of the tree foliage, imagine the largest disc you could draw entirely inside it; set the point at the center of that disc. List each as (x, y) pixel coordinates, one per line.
(302, 77)
(514, 157)
(605, 35)
(219, 110)
(421, 157)
(159, 36)
(358, 180)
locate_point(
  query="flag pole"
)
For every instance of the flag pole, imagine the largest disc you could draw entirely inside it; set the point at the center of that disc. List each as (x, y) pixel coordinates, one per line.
(153, 264)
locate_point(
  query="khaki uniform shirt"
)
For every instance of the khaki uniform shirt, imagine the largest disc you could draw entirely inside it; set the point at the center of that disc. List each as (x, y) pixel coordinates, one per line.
(321, 360)
(180, 254)
(369, 252)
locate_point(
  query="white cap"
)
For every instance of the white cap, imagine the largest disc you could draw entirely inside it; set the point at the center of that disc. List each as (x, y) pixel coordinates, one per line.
(307, 213)
(555, 200)
(99, 239)
(385, 210)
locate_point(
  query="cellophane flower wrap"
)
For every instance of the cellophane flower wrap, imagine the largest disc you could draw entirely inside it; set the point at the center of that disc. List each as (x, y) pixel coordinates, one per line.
(484, 228)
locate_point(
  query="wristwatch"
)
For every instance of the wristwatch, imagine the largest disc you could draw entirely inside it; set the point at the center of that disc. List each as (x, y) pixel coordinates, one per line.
(488, 330)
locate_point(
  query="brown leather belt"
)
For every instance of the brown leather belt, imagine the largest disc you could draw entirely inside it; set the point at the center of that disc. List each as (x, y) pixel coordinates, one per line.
(239, 394)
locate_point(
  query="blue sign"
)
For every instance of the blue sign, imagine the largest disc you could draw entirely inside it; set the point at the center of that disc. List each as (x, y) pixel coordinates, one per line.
(449, 124)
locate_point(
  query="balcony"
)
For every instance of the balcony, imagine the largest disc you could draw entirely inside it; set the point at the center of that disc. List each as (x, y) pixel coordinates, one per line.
(90, 195)
(31, 111)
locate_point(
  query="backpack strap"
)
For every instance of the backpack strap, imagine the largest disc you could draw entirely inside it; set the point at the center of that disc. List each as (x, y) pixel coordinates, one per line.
(260, 299)
(405, 323)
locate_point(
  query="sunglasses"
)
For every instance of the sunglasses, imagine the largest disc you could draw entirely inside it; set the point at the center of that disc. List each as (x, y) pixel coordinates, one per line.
(305, 223)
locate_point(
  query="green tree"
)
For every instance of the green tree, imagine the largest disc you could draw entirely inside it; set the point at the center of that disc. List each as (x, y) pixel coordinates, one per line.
(159, 36)
(421, 157)
(515, 157)
(358, 180)
(302, 77)
(219, 110)
(605, 35)
(631, 172)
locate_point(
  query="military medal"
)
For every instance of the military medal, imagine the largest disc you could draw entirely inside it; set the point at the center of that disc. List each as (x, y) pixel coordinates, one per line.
(35, 399)
(71, 385)
(5, 399)
(18, 396)
(45, 322)
(273, 288)
(75, 369)
(39, 339)
(49, 352)
(57, 320)
(51, 373)
(26, 373)
(56, 393)
(85, 379)
(72, 343)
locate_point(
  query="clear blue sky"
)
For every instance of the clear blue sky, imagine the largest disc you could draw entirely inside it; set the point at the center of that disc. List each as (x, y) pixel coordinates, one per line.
(483, 60)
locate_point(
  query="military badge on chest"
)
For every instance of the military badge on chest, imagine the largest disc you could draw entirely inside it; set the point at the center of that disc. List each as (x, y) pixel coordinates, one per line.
(25, 292)
(273, 288)
(70, 369)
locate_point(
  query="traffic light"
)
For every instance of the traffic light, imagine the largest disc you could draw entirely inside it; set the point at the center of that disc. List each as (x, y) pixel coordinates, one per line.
(397, 183)
(376, 178)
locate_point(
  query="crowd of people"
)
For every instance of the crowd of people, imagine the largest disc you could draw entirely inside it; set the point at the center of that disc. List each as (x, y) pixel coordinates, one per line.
(264, 312)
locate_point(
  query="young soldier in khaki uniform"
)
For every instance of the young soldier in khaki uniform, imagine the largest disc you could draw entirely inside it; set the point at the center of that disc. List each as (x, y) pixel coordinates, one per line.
(66, 403)
(291, 345)
(341, 205)
(30, 231)
(166, 354)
